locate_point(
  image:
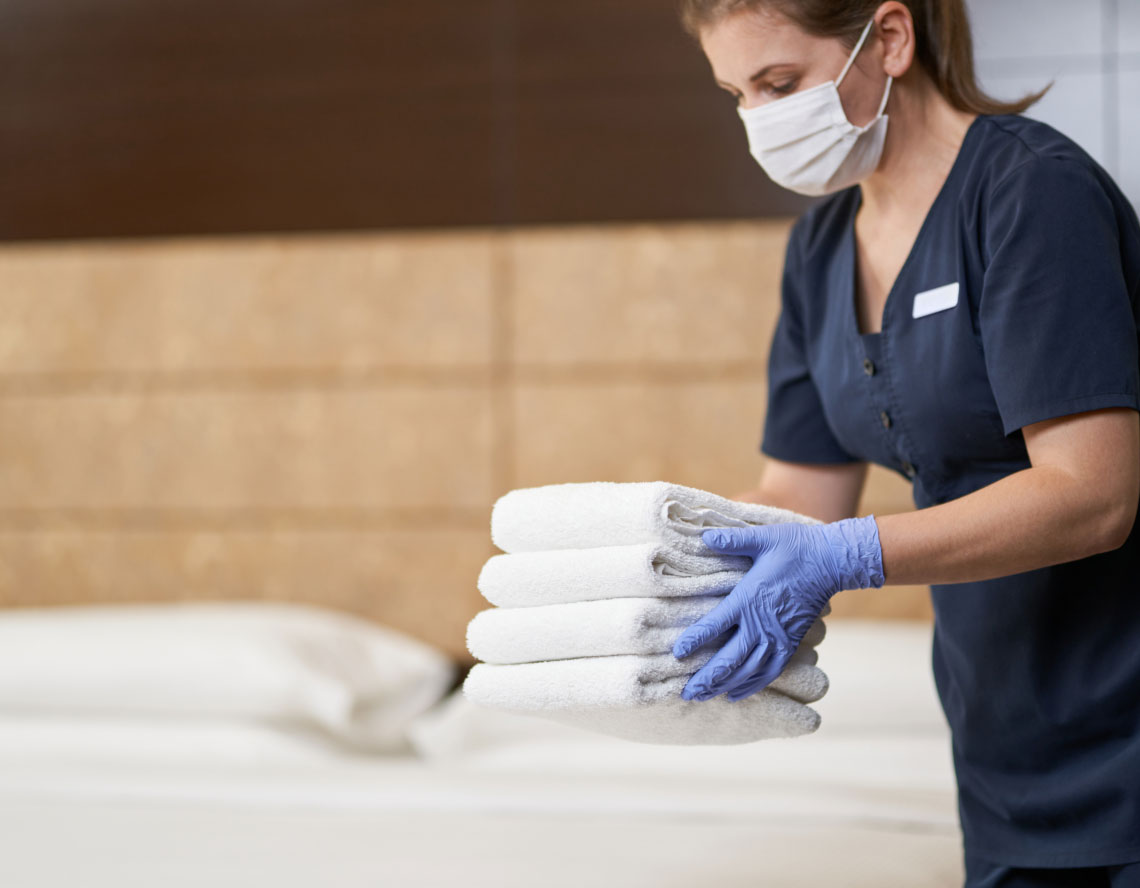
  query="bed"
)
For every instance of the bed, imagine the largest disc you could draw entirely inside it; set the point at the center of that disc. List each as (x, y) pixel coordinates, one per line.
(118, 798)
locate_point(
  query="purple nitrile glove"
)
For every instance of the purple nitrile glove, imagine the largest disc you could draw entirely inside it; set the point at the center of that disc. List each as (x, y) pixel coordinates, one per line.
(796, 568)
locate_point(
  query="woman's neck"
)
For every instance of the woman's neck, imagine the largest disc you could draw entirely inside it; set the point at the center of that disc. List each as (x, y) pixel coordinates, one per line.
(923, 138)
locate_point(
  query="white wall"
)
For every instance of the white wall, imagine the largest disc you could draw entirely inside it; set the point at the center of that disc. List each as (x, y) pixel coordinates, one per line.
(1091, 49)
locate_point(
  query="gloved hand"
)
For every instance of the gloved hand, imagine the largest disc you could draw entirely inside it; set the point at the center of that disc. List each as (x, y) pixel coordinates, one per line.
(796, 569)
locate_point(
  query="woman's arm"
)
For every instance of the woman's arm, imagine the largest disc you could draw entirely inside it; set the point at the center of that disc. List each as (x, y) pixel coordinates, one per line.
(1077, 499)
(826, 492)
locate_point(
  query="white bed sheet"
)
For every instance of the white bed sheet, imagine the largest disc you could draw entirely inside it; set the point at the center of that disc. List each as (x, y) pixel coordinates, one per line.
(432, 824)
(492, 800)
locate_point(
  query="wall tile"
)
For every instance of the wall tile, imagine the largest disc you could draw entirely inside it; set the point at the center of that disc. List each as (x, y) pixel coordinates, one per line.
(305, 449)
(1006, 29)
(344, 302)
(1129, 135)
(700, 434)
(1127, 26)
(676, 294)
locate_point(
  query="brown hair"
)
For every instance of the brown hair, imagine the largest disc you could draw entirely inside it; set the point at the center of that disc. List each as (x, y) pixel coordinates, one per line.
(941, 28)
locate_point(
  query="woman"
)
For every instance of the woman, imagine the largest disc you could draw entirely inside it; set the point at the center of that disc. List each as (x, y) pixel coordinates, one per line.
(963, 310)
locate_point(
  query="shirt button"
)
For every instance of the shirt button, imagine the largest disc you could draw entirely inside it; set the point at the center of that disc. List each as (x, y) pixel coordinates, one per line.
(868, 367)
(886, 418)
(908, 469)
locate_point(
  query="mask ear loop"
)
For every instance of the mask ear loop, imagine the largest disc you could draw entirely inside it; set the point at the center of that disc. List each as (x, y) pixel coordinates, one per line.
(886, 95)
(855, 52)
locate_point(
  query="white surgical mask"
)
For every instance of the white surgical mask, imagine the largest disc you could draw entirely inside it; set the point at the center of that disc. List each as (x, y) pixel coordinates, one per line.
(805, 142)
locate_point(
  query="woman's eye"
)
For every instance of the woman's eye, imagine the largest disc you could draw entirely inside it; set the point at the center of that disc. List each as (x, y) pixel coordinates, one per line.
(782, 89)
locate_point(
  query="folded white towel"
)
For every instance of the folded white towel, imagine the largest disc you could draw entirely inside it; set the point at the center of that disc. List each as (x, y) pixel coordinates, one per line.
(607, 513)
(765, 715)
(555, 576)
(594, 629)
(637, 697)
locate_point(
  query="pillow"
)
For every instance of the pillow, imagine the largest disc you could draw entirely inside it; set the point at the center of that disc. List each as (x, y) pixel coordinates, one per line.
(359, 681)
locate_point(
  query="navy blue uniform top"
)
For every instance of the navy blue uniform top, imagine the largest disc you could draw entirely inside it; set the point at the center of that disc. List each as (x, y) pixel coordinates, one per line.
(1018, 302)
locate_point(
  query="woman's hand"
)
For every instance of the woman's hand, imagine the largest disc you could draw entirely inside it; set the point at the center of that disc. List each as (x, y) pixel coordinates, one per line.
(796, 569)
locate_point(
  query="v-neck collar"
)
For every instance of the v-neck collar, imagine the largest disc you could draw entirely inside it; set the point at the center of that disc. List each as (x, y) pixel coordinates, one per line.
(849, 241)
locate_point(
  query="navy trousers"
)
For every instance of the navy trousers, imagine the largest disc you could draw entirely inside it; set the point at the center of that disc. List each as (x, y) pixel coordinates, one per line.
(986, 874)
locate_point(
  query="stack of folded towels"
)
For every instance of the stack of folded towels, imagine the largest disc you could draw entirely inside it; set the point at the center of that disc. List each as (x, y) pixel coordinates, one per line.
(598, 581)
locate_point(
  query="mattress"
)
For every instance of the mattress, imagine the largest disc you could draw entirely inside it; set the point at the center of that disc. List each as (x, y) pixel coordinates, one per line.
(491, 799)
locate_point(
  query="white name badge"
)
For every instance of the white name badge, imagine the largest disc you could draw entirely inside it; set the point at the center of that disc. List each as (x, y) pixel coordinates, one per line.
(938, 299)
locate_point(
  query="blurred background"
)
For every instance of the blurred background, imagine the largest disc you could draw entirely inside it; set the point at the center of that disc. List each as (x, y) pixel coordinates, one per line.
(290, 293)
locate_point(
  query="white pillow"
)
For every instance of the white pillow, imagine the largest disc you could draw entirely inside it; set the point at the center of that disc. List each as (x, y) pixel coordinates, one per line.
(359, 681)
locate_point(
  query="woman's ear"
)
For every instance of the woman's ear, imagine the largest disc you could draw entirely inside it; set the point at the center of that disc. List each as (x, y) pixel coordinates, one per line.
(895, 29)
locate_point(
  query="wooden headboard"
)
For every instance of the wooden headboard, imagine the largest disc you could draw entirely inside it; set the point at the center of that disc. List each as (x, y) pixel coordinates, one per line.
(329, 418)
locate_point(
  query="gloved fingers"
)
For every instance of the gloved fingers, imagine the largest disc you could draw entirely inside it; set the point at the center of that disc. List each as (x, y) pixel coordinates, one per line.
(737, 540)
(759, 672)
(753, 686)
(716, 622)
(721, 665)
(766, 659)
(755, 683)
(747, 689)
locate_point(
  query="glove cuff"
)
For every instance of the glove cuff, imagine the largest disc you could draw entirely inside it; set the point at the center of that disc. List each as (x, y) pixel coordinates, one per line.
(858, 553)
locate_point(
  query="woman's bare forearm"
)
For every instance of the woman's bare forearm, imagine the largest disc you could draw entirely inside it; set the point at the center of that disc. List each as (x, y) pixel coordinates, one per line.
(1030, 519)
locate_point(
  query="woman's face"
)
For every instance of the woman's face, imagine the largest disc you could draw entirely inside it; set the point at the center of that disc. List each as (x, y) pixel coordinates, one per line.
(760, 56)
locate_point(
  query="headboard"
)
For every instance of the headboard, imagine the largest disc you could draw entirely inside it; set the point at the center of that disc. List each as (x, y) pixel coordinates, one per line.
(328, 418)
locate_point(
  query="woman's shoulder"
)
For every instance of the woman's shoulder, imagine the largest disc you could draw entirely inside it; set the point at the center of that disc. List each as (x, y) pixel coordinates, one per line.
(1014, 153)
(1024, 169)
(1015, 136)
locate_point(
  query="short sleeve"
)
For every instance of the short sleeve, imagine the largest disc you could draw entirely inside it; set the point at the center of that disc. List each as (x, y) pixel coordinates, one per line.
(795, 428)
(1055, 316)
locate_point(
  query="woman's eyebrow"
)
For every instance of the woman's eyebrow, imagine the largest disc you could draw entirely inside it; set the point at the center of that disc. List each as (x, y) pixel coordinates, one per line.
(758, 75)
